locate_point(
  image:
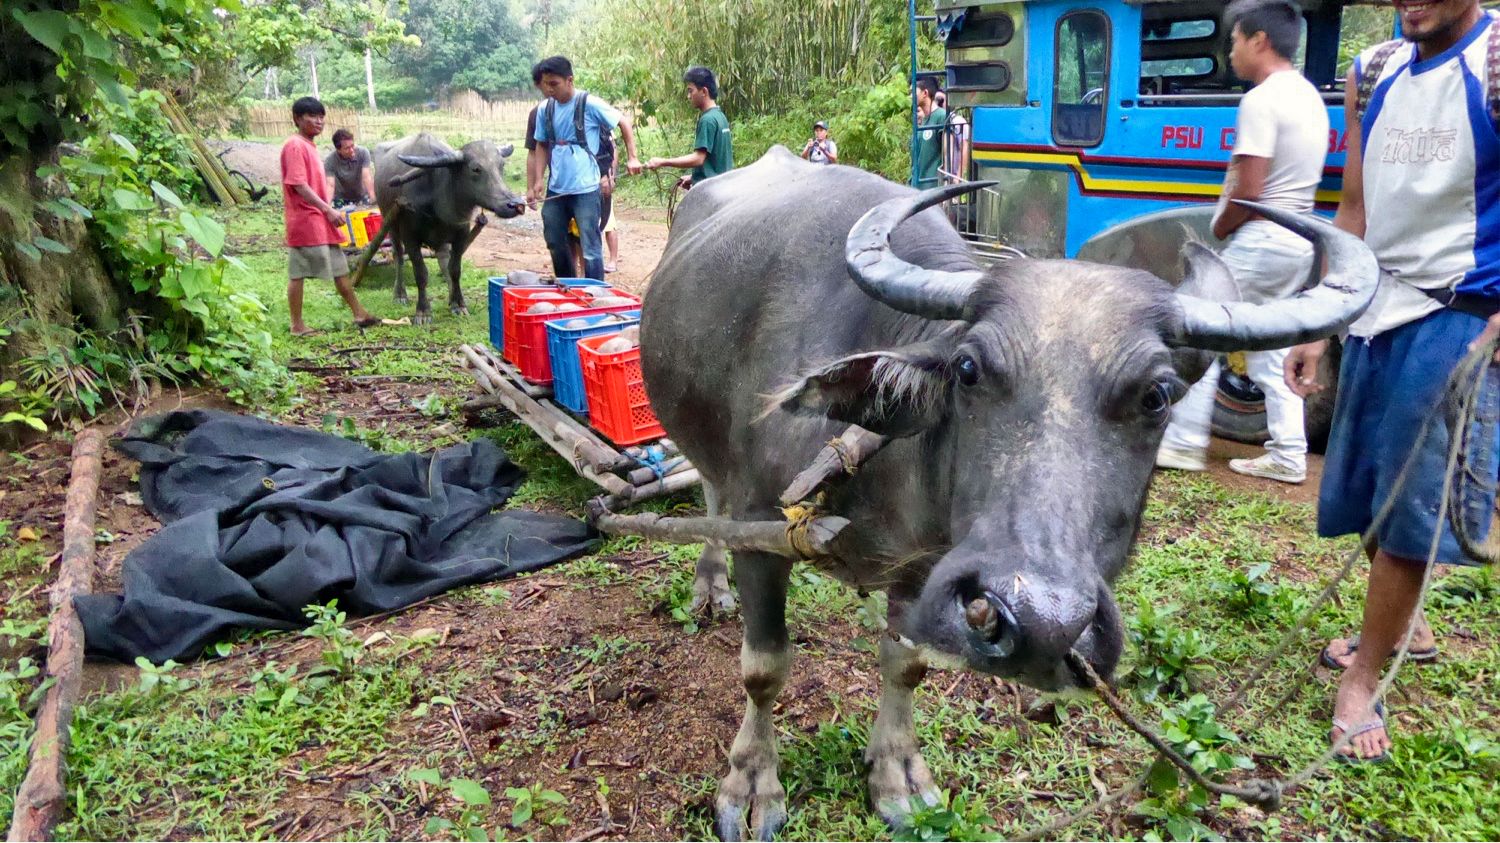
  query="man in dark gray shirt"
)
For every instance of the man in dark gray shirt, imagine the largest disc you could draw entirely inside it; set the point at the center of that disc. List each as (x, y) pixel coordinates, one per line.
(351, 177)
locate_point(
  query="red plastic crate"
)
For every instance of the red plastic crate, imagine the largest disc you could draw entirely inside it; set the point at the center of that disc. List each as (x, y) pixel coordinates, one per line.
(618, 407)
(518, 299)
(532, 355)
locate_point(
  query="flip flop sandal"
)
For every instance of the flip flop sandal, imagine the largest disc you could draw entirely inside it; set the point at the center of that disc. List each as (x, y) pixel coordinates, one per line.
(308, 333)
(1416, 655)
(1370, 726)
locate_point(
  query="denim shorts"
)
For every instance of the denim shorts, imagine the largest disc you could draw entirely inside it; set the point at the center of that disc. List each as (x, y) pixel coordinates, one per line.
(1389, 386)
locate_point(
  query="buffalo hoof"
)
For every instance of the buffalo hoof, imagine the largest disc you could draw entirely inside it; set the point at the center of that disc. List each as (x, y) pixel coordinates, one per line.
(458, 309)
(898, 779)
(750, 793)
(712, 596)
(422, 317)
(400, 297)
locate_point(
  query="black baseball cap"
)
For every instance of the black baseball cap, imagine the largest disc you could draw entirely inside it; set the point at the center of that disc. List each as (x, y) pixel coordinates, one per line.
(820, 125)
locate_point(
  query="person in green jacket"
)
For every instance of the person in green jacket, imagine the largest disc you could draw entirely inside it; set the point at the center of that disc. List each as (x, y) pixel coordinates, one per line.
(713, 150)
(932, 118)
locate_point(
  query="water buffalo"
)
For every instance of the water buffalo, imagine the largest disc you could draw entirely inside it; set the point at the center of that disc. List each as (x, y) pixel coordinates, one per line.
(438, 189)
(1026, 402)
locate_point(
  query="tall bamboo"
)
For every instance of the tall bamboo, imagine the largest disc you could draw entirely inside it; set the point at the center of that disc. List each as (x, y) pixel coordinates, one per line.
(211, 167)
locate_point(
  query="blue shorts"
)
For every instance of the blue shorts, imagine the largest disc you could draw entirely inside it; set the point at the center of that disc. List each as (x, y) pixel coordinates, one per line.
(1388, 386)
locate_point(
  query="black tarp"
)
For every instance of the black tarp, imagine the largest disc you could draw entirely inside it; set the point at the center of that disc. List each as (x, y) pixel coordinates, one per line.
(261, 520)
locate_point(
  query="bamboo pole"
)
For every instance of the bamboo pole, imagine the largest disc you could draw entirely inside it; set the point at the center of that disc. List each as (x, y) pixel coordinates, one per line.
(685, 479)
(373, 246)
(574, 448)
(812, 539)
(217, 182)
(44, 792)
(239, 196)
(599, 455)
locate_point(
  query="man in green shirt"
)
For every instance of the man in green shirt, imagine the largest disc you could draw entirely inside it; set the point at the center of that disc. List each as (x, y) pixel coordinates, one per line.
(932, 119)
(713, 152)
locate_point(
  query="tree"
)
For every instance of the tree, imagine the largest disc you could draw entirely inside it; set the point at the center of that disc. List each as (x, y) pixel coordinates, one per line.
(268, 33)
(60, 59)
(79, 73)
(470, 44)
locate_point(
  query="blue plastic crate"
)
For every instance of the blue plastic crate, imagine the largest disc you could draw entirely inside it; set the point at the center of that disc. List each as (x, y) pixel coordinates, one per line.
(567, 369)
(497, 285)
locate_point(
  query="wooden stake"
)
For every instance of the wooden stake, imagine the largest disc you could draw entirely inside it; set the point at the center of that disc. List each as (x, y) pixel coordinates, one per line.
(40, 800)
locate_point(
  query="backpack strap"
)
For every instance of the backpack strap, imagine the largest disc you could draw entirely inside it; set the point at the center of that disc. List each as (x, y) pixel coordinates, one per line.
(1370, 74)
(578, 114)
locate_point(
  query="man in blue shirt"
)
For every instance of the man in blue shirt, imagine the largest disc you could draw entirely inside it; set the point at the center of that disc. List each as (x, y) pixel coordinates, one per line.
(567, 143)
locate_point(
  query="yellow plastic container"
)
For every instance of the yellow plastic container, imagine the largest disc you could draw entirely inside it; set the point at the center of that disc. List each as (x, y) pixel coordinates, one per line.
(344, 228)
(364, 225)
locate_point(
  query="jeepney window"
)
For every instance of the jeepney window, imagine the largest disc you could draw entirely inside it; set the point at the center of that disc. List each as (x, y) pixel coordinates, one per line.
(1200, 66)
(1180, 30)
(1082, 85)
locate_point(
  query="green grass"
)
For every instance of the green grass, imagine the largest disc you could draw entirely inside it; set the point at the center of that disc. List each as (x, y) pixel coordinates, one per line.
(164, 764)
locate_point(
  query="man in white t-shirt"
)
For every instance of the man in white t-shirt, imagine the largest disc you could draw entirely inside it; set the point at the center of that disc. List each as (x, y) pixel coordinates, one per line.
(1281, 139)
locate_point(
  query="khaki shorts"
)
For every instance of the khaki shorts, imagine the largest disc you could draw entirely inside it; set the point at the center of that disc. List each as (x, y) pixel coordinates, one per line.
(316, 262)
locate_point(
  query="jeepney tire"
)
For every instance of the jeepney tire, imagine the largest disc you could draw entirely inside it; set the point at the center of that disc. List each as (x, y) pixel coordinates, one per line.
(1241, 420)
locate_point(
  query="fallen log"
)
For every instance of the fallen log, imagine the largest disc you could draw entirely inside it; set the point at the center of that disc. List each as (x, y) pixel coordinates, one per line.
(40, 801)
(806, 539)
(839, 459)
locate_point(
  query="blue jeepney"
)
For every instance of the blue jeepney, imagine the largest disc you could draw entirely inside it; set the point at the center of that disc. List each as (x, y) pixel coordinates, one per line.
(1102, 117)
(1109, 125)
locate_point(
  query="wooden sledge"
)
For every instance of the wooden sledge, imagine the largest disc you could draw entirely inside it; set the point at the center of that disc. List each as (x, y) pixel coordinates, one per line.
(625, 479)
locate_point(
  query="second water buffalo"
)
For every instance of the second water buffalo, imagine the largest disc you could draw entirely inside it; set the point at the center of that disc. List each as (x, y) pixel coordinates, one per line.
(438, 189)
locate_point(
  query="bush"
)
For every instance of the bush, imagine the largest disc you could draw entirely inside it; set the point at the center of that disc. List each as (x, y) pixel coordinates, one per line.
(161, 155)
(195, 324)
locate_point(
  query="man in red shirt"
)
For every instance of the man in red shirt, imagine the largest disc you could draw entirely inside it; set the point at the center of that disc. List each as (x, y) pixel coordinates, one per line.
(312, 237)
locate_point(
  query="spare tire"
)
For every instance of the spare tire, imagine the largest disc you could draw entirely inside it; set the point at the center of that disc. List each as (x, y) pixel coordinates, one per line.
(1240, 408)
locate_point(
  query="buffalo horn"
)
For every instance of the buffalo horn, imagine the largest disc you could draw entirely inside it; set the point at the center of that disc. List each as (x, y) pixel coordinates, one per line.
(505, 151)
(1338, 299)
(933, 293)
(446, 159)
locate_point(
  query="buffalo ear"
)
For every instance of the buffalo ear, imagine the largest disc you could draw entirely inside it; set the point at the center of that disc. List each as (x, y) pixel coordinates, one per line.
(894, 393)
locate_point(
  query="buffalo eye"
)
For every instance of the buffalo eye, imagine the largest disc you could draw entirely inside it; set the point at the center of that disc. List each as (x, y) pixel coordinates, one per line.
(1156, 402)
(967, 370)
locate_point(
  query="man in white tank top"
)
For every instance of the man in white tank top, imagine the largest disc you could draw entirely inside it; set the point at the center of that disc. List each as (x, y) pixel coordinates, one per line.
(1422, 186)
(1281, 138)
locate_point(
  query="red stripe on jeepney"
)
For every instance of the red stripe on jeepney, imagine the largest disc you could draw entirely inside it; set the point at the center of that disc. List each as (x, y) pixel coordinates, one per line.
(1085, 157)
